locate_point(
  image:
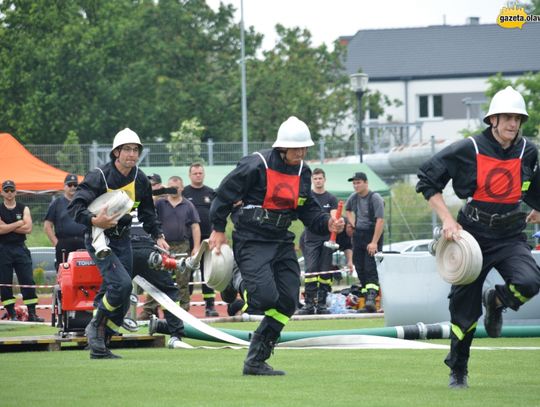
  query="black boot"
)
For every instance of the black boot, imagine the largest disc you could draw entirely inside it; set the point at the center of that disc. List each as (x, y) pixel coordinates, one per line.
(458, 379)
(235, 307)
(309, 306)
(371, 296)
(210, 309)
(260, 349)
(458, 359)
(11, 314)
(159, 326)
(493, 319)
(229, 293)
(108, 338)
(322, 292)
(96, 335)
(32, 316)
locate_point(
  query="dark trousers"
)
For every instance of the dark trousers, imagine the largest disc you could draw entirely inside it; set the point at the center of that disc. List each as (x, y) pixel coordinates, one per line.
(68, 244)
(513, 260)
(115, 270)
(365, 265)
(164, 282)
(271, 278)
(16, 257)
(317, 258)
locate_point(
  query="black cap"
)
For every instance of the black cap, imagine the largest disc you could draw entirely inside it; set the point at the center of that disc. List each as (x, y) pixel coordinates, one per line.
(71, 179)
(155, 178)
(8, 184)
(358, 175)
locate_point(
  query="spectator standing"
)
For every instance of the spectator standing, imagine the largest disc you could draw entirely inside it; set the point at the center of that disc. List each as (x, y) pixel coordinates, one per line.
(143, 247)
(156, 183)
(274, 187)
(365, 213)
(121, 173)
(15, 224)
(201, 196)
(180, 222)
(64, 233)
(494, 171)
(150, 306)
(317, 257)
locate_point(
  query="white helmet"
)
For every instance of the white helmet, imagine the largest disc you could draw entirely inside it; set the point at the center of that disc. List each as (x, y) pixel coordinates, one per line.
(507, 100)
(293, 133)
(126, 136)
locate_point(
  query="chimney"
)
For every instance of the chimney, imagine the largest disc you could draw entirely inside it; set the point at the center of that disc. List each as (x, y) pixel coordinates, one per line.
(472, 21)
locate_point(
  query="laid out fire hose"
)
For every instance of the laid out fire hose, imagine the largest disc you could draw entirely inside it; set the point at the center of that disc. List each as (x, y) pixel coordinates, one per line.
(194, 323)
(402, 335)
(409, 332)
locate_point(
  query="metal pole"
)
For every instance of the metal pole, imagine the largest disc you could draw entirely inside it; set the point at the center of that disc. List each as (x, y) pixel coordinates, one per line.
(433, 213)
(359, 95)
(243, 70)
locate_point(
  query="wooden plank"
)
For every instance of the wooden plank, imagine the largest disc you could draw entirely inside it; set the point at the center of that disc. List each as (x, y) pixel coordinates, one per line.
(55, 343)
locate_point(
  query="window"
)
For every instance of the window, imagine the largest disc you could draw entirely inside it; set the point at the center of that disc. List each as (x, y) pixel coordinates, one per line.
(437, 105)
(430, 106)
(424, 106)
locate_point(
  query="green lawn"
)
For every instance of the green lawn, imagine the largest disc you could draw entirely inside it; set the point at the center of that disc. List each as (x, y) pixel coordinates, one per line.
(201, 377)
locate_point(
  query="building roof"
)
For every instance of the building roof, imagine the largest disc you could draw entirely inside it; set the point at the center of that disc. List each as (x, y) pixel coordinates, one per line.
(444, 51)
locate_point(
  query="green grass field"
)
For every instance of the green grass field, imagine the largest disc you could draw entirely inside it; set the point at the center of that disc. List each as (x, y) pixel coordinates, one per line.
(212, 377)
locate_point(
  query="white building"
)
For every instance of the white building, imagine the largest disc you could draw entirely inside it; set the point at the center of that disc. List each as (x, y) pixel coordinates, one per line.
(440, 73)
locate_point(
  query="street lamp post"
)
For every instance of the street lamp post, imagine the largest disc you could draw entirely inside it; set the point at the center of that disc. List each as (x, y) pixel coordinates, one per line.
(359, 82)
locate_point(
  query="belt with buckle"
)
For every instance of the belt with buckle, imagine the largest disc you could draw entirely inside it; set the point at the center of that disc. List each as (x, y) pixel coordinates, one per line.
(494, 220)
(263, 216)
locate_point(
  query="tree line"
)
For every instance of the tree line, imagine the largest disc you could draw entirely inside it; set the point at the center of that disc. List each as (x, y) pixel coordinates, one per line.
(88, 68)
(92, 67)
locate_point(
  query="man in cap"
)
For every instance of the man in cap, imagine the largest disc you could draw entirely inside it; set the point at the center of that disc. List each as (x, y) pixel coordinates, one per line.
(365, 213)
(15, 224)
(151, 306)
(494, 171)
(65, 234)
(274, 188)
(121, 173)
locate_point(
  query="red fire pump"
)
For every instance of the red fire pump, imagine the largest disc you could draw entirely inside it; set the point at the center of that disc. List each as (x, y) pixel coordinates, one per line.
(78, 282)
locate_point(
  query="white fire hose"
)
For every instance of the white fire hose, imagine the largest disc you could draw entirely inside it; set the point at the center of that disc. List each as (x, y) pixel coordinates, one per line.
(459, 261)
(118, 203)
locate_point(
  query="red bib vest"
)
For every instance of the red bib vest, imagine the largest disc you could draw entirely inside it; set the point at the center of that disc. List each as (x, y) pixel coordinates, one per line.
(282, 190)
(497, 181)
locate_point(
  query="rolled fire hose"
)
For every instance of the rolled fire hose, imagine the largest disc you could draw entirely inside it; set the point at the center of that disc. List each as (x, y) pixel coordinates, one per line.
(459, 261)
(218, 269)
(118, 204)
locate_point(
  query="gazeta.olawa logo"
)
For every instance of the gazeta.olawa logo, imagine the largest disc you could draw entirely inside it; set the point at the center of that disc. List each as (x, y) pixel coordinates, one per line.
(515, 17)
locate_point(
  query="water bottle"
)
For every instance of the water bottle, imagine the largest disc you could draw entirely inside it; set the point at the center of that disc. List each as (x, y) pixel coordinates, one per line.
(336, 304)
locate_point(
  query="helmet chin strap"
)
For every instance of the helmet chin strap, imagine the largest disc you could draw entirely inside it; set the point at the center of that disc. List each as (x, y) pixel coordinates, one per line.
(495, 130)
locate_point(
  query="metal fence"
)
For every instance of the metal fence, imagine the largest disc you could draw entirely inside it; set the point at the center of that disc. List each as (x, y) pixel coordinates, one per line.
(378, 138)
(407, 214)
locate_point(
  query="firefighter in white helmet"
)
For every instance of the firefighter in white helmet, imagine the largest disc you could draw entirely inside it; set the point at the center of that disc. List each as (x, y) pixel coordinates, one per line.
(121, 173)
(494, 171)
(273, 188)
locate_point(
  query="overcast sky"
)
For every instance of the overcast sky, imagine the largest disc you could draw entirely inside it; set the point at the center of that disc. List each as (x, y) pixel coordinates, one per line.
(329, 19)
